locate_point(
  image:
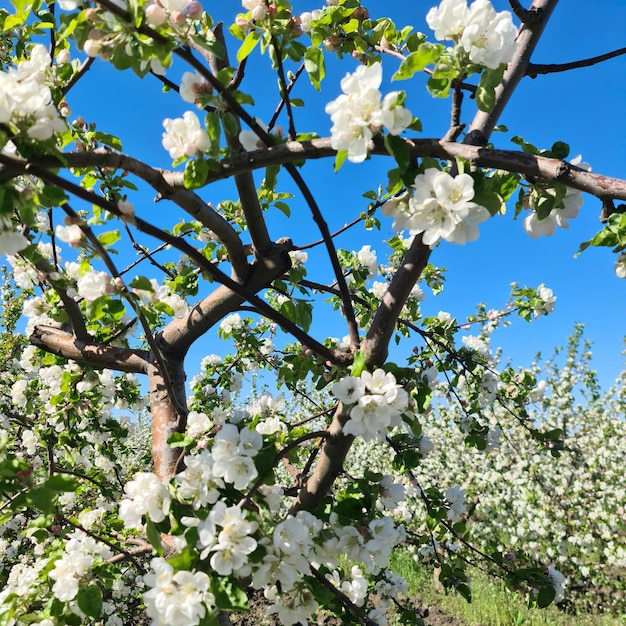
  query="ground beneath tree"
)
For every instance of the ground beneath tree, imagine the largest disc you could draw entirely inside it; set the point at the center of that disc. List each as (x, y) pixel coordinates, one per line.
(257, 617)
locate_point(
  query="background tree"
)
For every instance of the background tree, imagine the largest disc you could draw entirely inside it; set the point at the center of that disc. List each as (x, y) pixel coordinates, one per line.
(211, 504)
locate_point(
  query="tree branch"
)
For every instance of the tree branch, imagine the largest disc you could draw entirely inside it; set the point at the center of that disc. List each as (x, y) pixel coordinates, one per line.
(244, 181)
(535, 68)
(64, 344)
(527, 39)
(376, 343)
(261, 305)
(176, 192)
(511, 160)
(526, 16)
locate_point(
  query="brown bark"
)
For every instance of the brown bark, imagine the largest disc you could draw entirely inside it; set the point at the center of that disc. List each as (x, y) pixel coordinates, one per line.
(165, 420)
(64, 344)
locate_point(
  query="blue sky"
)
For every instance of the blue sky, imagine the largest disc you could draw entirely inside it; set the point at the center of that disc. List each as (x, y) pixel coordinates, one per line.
(584, 108)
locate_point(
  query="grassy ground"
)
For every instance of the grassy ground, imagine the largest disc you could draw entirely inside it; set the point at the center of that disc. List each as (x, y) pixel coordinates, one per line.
(492, 604)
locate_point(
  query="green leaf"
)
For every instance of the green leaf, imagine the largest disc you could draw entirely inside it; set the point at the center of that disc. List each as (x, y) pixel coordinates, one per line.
(59, 482)
(154, 537)
(526, 147)
(179, 440)
(399, 149)
(544, 206)
(559, 150)
(213, 128)
(546, 596)
(195, 174)
(283, 207)
(358, 364)
(89, 601)
(108, 140)
(426, 54)
(229, 122)
(491, 201)
(314, 65)
(340, 159)
(108, 239)
(485, 97)
(248, 45)
(228, 594)
(141, 282)
(486, 90)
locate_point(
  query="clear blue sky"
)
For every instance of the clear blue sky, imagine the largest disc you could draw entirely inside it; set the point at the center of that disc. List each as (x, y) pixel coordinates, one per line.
(584, 107)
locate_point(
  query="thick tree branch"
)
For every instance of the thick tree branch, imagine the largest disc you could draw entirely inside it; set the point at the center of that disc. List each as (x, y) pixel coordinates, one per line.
(244, 181)
(527, 39)
(536, 68)
(157, 179)
(511, 160)
(180, 334)
(262, 307)
(64, 344)
(376, 343)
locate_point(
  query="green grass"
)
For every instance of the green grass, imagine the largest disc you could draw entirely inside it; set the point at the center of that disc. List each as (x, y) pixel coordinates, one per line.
(492, 604)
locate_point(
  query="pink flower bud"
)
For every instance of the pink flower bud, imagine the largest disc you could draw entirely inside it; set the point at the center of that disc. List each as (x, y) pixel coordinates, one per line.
(92, 15)
(242, 22)
(178, 18)
(259, 12)
(155, 14)
(194, 10)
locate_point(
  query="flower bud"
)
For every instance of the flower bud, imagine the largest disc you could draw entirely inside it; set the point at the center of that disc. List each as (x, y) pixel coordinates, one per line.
(63, 57)
(195, 10)
(259, 12)
(92, 47)
(92, 15)
(178, 18)
(155, 14)
(242, 22)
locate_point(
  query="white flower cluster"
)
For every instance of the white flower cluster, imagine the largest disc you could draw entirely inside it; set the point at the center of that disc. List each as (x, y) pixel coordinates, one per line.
(441, 207)
(487, 37)
(184, 137)
(162, 293)
(358, 114)
(79, 556)
(146, 495)
(26, 100)
(377, 403)
(225, 535)
(92, 285)
(547, 301)
(176, 597)
(560, 215)
(229, 461)
(455, 496)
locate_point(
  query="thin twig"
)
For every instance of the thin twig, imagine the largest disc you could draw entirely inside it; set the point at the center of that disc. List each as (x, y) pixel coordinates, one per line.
(106, 257)
(536, 68)
(82, 70)
(343, 598)
(288, 89)
(283, 88)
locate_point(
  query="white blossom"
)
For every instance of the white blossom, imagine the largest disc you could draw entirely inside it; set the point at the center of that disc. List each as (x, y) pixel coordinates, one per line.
(184, 136)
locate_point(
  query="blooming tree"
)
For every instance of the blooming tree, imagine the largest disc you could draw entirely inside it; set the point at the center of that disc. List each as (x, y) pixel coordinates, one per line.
(242, 499)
